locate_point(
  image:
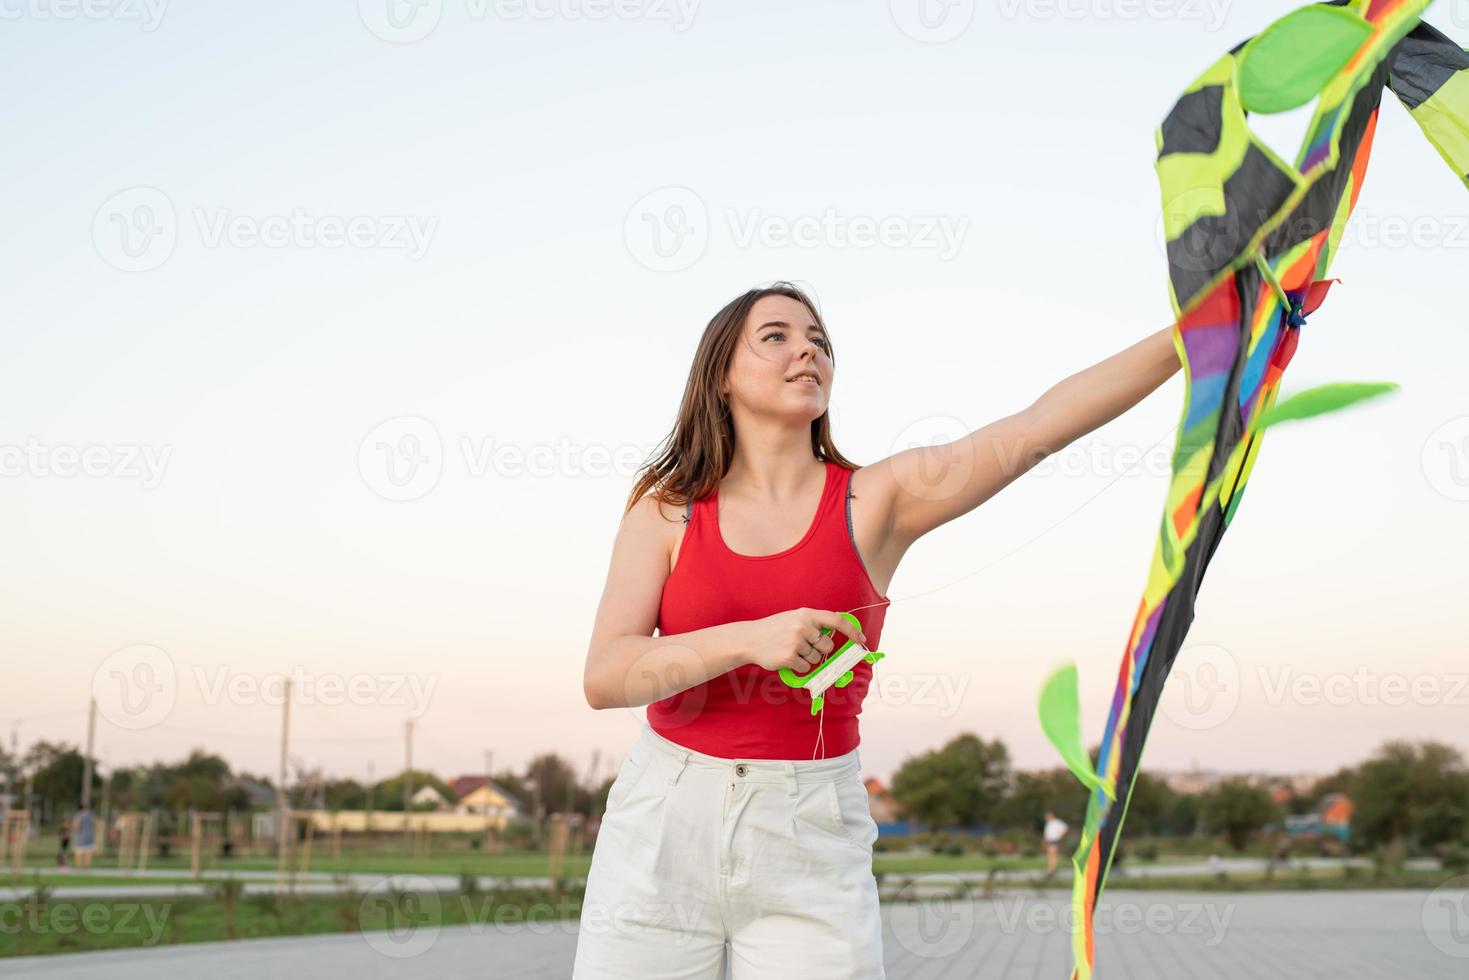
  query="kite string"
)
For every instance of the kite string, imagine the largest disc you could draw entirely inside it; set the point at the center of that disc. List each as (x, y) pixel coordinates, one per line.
(1026, 544)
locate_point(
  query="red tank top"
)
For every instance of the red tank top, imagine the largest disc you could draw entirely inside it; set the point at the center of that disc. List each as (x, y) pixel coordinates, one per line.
(749, 712)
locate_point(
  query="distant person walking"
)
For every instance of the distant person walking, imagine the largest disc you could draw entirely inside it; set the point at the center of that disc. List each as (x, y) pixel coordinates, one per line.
(85, 836)
(64, 849)
(1053, 835)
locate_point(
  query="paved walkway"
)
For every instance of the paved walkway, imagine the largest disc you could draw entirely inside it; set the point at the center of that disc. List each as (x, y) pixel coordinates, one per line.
(1142, 936)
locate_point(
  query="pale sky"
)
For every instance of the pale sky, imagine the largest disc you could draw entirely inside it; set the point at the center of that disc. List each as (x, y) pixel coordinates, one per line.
(250, 246)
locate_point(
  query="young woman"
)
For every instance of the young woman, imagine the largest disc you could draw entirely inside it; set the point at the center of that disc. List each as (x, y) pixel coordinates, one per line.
(737, 833)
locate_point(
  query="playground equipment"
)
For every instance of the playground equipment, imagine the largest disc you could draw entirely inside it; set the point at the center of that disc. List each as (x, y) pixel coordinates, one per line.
(15, 832)
(134, 836)
(204, 838)
(295, 857)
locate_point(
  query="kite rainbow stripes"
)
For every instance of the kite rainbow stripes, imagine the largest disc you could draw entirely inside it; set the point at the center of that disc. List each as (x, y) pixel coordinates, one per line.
(1250, 241)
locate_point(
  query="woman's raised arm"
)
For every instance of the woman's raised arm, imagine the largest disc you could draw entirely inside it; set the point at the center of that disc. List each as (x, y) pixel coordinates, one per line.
(928, 486)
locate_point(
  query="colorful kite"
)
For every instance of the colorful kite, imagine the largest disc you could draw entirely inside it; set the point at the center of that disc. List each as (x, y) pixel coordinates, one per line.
(1250, 240)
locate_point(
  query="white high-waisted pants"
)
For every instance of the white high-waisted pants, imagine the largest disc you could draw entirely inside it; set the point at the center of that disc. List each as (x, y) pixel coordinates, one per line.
(695, 852)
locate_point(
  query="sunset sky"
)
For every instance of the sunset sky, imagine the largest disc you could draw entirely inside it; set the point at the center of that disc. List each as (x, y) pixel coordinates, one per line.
(285, 250)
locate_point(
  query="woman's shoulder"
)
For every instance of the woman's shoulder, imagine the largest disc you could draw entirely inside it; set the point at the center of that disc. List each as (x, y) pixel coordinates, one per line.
(655, 517)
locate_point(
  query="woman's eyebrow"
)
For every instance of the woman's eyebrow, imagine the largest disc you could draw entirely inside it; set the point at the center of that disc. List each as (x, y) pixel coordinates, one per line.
(782, 323)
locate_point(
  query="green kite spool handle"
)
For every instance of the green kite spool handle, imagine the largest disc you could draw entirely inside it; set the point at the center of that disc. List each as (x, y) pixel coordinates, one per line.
(793, 679)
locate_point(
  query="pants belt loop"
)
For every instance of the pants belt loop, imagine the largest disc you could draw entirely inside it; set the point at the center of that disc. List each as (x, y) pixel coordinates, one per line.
(793, 789)
(682, 760)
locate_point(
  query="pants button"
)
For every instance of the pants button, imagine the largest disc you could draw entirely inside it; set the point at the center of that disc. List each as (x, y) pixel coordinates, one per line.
(741, 770)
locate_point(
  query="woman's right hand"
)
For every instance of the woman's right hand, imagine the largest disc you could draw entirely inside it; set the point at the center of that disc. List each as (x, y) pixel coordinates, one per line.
(794, 639)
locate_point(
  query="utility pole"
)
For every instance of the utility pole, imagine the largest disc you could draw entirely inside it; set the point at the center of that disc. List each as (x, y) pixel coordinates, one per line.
(105, 817)
(280, 787)
(488, 755)
(536, 809)
(408, 784)
(367, 823)
(87, 759)
(15, 763)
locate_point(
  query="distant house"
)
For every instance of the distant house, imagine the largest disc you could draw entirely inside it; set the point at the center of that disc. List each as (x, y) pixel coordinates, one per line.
(479, 795)
(1332, 815)
(427, 794)
(258, 795)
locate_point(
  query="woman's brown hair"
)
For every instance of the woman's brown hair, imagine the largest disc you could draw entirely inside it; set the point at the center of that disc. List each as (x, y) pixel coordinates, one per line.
(695, 456)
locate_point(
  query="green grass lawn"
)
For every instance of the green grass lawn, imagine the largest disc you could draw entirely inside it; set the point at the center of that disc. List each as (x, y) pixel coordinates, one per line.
(62, 878)
(75, 925)
(517, 864)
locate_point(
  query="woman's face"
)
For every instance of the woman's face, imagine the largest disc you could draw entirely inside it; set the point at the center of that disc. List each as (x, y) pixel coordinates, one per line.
(782, 365)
